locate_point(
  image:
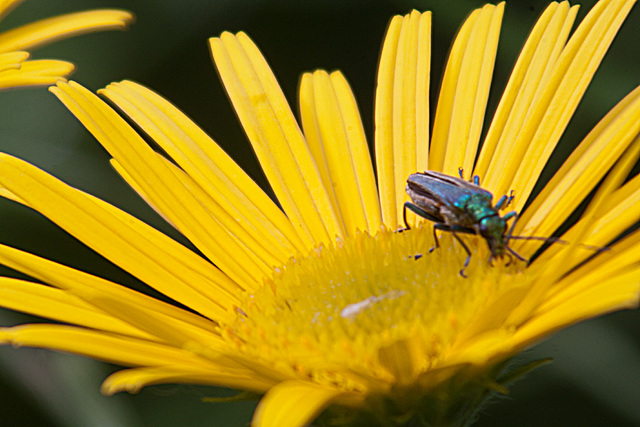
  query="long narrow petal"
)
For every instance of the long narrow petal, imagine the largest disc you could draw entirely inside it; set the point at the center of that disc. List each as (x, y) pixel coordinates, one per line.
(35, 73)
(335, 134)
(617, 261)
(558, 97)
(402, 109)
(112, 348)
(164, 189)
(583, 170)
(295, 403)
(132, 380)
(619, 212)
(45, 301)
(96, 303)
(530, 73)
(561, 263)
(276, 138)
(12, 60)
(127, 242)
(207, 164)
(272, 255)
(60, 27)
(614, 294)
(77, 282)
(7, 6)
(465, 92)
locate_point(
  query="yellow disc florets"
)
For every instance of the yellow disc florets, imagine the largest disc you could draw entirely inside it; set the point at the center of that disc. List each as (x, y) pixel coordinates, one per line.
(372, 310)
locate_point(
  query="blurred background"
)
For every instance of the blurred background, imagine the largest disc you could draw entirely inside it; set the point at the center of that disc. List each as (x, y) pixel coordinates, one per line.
(593, 380)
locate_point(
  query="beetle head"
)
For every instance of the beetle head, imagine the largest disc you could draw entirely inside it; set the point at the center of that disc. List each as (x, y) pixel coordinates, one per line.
(493, 229)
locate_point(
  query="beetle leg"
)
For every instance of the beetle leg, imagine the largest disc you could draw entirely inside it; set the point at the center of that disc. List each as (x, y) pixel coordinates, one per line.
(466, 261)
(517, 255)
(452, 229)
(501, 202)
(435, 236)
(507, 217)
(510, 259)
(460, 172)
(418, 211)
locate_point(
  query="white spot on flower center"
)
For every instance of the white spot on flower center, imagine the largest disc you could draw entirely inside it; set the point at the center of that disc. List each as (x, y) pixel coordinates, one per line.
(352, 310)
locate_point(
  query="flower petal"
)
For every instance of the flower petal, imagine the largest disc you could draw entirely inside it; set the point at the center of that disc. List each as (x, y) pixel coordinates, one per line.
(335, 134)
(608, 270)
(35, 73)
(209, 166)
(12, 60)
(276, 138)
(112, 348)
(528, 150)
(295, 403)
(76, 282)
(129, 243)
(55, 304)
(60, 27)
(582, 171)
(402, 110)
(560, 264)
(615, 293)
(132, 380)
(163, 188)
(465, 92)
(7, 6)
(599, 211)
(530, 74)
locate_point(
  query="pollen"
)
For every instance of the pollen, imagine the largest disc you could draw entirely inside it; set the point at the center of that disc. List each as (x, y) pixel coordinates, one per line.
(380, 309)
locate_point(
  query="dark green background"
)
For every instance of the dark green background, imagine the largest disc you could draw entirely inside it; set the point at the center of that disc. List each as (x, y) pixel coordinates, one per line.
(593, 381)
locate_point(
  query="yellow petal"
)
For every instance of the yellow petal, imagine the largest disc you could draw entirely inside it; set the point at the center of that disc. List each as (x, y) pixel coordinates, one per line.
(295, 403)
(60, 27)
(162, 187)
(207, 164)
(335, 134)
(531, 71)
(614, 294)
(55, 304)
(622, 213)
(582, 171)
(608, 277)
(35, 73)
(76, 282)
(12, 60)
(272, 255)
(276, 138)
(561, 263)
(129, 243)
(7, 6)
(551, 110)
(606, 216)
(132, 380)
(103, 346)
(402, 109)
(465, 92)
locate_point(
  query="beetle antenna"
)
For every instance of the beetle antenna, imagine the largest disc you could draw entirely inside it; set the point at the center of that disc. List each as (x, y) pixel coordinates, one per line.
(542, 239)
(560, 241)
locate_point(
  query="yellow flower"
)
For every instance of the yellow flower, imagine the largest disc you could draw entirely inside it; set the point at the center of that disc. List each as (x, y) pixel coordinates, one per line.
(322, 304)
(15, 68)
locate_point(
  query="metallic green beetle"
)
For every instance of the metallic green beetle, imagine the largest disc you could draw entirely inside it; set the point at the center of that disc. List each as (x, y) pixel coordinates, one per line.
(459, 206)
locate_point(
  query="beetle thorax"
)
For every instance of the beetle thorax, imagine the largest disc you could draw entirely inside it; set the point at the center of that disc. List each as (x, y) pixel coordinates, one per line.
(478, 206)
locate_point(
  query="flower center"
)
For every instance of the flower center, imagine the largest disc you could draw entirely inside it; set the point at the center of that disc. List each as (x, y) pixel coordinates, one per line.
(381, 308)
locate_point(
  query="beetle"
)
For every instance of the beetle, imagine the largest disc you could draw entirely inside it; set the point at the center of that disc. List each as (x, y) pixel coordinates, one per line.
(460, 206)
